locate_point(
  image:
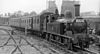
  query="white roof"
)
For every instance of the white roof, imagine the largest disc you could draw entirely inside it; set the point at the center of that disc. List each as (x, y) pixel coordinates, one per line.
(91, 16)
(64, 20)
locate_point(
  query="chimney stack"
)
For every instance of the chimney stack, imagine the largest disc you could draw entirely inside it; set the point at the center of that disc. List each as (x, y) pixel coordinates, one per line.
(77, 8)
(72, 6)
(52, 6)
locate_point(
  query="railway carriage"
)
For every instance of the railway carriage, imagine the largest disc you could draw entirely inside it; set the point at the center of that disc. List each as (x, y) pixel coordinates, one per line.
(26, 22)
(14, 22)
(36, 23)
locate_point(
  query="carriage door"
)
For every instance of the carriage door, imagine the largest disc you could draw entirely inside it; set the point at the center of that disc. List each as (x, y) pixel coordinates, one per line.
(46, 20)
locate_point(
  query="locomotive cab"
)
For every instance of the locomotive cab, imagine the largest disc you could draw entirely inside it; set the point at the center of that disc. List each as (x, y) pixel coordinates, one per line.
(67, 26)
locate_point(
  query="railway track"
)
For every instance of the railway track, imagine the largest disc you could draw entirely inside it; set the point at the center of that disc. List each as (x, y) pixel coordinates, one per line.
(85, 51)
(33, 45)
(77, 50)
(18, 45)
(52, 45)
(47, 46)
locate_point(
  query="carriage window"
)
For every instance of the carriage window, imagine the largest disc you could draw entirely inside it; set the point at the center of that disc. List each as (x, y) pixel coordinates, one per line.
(47, 19)
(29, 21)
(24, 21)
(33, 20)
(37, 21)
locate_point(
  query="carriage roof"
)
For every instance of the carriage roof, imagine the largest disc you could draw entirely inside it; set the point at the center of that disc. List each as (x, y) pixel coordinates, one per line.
(64, 20)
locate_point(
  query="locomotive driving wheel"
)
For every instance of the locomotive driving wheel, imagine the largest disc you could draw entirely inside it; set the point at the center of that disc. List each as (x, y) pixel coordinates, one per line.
(47, 36)
(57, 38)
(81, 44)
(70, 45)
(50, 37)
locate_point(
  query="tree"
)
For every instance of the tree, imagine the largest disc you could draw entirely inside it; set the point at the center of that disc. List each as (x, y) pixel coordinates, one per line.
(16, 14)
(99, 13)
(33, 13)
(13, 16)
(26, 14)
(9, 14)
(5, 14)
(19, 13)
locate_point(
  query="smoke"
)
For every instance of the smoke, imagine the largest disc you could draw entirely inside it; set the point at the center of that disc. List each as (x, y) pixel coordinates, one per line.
(59, 3)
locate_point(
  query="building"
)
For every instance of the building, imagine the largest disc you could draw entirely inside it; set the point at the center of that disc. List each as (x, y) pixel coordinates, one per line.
(4, 20)
(94, 22)
(51, 6)
(67, 7)
(72, 6)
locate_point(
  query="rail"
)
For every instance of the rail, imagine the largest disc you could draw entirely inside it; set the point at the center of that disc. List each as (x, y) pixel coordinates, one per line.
(17, 46)
(32, 45)
(51, 49)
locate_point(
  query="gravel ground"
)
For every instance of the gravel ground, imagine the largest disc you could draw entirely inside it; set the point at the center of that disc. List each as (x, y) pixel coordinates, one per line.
(39, 46)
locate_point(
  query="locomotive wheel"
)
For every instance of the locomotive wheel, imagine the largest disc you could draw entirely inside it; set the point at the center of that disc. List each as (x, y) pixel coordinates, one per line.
(57, 38)
(50, 38)
(87, 44)
(43, 35)
(70, 45)
(47, 37)
(69, 33)
(40, 34)
(81, 44)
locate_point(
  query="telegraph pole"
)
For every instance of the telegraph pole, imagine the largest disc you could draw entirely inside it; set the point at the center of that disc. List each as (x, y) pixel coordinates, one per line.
(26, 28)
(99, 9)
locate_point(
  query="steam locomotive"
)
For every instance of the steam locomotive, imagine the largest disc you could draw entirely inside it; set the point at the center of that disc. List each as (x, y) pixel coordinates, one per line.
(69, 32)
(63, 31)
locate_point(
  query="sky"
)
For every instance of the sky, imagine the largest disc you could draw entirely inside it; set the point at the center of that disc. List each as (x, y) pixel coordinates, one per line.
(39, 5)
